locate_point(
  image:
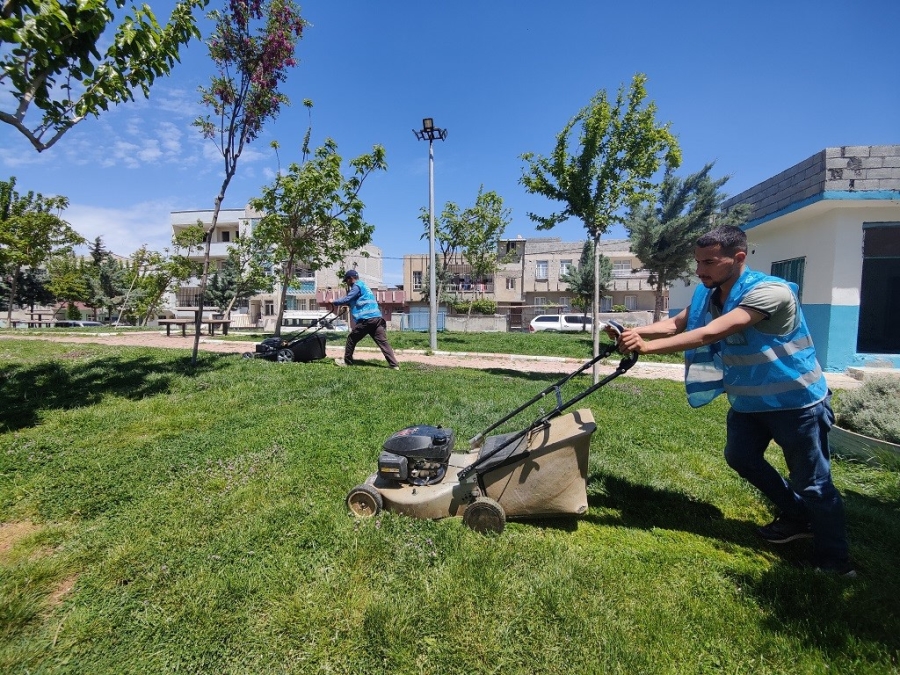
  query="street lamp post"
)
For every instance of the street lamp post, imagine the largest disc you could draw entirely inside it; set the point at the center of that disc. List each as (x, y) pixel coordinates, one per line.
(431, 132)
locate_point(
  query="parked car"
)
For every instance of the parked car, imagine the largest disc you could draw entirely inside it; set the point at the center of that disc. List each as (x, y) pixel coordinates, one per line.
(116, 321)
(560, 322)
(77, 324)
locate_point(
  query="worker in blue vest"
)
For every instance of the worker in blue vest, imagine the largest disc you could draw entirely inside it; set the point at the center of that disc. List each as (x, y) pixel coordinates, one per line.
(367, 320)
(744, 335)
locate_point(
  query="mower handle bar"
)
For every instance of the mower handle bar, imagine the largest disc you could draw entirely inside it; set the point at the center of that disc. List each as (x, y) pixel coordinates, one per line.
(320, 324)
(477, 440)
(628, 360)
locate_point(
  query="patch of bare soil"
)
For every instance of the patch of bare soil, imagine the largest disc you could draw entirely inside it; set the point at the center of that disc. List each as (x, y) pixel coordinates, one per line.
(63, 588)
(12, 533)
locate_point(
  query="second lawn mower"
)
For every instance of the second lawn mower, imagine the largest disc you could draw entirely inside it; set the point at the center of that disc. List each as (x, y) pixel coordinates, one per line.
(304, 345)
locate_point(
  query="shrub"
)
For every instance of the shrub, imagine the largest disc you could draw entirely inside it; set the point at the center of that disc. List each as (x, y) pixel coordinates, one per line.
(619, 308)
(871, 410)
(482, 306)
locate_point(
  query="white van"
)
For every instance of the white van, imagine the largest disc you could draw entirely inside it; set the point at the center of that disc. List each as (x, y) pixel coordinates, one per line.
(560, 322)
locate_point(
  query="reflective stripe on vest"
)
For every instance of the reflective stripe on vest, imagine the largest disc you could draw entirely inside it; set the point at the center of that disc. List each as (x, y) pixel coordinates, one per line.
(766, 372)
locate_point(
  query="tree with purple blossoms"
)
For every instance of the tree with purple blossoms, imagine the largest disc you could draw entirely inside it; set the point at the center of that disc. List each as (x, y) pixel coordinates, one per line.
(252, 46)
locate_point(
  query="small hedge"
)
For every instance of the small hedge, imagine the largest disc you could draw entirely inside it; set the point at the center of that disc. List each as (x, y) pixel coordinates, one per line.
(481, 306)
(872, 409)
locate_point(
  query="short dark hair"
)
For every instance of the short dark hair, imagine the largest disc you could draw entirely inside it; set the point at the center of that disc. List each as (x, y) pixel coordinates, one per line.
(732, 239)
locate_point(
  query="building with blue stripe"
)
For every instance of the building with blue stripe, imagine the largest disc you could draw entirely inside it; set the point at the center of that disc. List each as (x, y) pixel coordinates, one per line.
(831, 224)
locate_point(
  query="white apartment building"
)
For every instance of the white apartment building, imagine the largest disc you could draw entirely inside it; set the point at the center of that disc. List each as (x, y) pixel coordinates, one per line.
(231, 225)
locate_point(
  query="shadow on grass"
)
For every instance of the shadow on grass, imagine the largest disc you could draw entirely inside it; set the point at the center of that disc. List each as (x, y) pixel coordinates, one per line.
(645, 507)
(833, 613)
(825, 610)
(25, 391)
(832, 610)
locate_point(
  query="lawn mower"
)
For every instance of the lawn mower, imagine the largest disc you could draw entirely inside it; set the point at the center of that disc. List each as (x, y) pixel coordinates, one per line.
(536, 472)
(304, 345)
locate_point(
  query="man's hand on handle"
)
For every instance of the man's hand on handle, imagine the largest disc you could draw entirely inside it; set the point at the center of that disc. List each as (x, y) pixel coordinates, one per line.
(627, 340)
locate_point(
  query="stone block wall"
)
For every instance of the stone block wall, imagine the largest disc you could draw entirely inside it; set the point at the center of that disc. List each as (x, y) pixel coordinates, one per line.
(849, 168)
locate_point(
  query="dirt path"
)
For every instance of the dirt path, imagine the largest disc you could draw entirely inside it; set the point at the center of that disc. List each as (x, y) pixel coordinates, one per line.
(527, 364)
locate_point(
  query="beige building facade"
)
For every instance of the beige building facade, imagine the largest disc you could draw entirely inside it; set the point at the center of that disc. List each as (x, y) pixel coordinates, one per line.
(528, 281)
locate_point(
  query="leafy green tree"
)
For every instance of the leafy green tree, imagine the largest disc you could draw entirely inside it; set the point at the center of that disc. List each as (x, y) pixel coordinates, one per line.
(31, 230)
(31, 289)
(152, 274)
(313, 213)
(67, 280)
(243, 274)
(219, 291)
(621, 147)
(448, 236)
(663, 233)
(253, 47)
(105, 279)
(580, 278)
(483, 226)
(50, 59)
(472, 233)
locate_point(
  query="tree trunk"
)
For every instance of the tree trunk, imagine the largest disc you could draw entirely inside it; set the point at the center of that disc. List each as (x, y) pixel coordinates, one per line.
(595, 310)
(288, 275)
(12, 294)
(657, 307)
(230, 305)
(203, 279)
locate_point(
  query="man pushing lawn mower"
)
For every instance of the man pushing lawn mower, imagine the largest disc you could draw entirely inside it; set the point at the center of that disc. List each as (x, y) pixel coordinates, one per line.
(367, 319)
(744, 334)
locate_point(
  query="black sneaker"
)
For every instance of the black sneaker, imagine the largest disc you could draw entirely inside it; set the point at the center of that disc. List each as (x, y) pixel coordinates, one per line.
(782, 530)
(838, 568)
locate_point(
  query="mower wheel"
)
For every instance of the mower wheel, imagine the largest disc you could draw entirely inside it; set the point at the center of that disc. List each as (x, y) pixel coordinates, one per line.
(247, 355)
(364, 501)
(485, 515)
(285, 355)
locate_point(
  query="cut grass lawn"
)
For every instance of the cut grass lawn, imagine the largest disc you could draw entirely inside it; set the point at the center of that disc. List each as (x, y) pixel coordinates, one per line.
(156, 518)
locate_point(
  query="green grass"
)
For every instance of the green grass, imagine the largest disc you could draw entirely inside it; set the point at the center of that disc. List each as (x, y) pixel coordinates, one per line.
(178, 519)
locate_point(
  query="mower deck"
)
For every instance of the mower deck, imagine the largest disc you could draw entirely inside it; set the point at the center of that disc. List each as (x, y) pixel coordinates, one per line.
(542, 474)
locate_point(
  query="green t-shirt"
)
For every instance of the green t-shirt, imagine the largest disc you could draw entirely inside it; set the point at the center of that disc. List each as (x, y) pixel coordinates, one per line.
(775, 301)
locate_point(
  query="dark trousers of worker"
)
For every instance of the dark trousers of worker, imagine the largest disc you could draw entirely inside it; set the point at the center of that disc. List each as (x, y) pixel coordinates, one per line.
(809, 493)
(376, 328)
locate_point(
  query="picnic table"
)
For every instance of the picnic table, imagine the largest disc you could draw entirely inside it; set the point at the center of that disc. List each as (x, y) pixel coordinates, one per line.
(184, 323)
(33, 323)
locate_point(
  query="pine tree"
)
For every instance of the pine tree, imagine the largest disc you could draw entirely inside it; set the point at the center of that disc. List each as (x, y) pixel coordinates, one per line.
(663, 233)
(580, 278)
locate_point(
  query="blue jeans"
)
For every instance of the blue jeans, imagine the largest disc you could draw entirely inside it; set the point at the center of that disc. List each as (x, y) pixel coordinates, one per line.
(808, 494)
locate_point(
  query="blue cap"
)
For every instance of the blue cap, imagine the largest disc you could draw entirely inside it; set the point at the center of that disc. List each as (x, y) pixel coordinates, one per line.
(351, 274)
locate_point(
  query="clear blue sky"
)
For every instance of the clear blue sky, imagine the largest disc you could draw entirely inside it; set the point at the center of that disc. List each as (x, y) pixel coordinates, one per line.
(754, 86)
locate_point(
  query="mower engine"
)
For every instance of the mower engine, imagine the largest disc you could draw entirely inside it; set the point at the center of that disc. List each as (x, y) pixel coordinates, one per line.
(269, 345)
(416, 455)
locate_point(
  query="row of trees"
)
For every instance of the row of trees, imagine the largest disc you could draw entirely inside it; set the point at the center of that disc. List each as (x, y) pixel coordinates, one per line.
(38, 265)
(51, 60)
(602, 171)
(608, 179)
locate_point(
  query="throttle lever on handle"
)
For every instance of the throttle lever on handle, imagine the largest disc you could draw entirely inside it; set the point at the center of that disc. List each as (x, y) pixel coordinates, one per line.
(618, 329)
